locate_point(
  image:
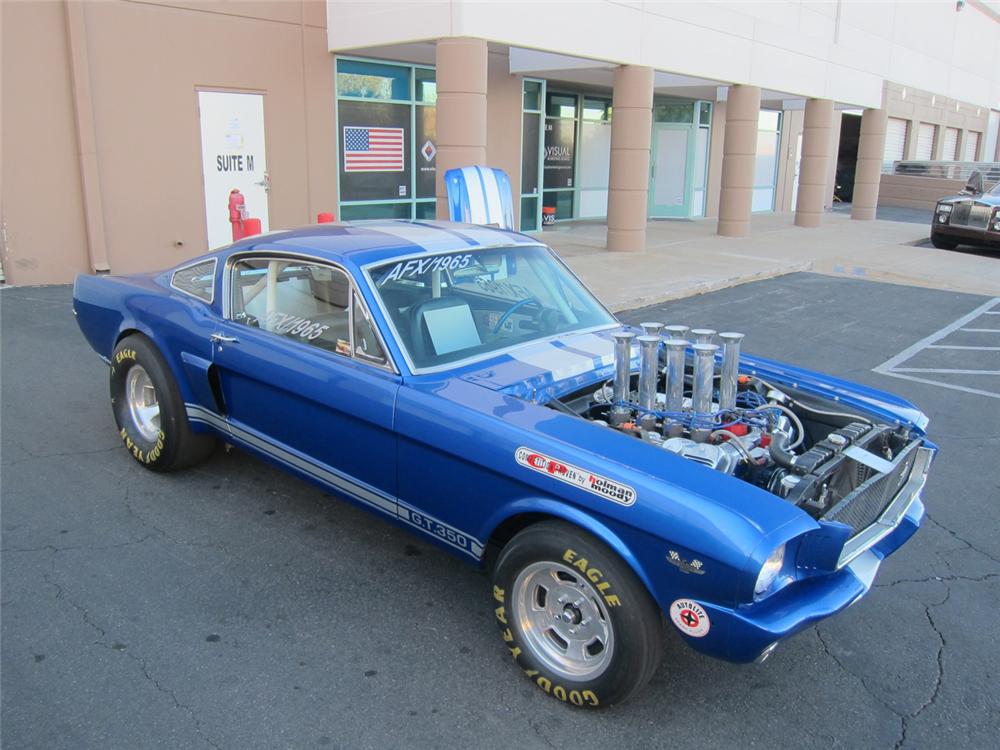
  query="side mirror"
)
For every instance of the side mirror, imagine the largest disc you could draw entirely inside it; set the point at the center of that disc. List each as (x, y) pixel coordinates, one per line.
(975, 184)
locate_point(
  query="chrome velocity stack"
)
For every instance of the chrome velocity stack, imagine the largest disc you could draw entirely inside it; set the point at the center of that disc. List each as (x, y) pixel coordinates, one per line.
(675, 349)
(731, 343)
(623, 375)
(649, 361)
(701, 397)
(702, 335)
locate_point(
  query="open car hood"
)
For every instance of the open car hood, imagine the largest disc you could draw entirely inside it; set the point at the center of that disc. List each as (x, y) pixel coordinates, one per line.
(549, 369)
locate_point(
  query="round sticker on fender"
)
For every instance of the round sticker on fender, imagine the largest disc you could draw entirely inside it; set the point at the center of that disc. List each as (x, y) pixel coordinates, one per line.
(690, 618)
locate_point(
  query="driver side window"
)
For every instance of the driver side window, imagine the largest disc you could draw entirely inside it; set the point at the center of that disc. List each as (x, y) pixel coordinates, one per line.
(306, 302)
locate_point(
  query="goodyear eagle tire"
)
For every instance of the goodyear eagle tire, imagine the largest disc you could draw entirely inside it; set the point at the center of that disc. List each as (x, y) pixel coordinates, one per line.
(574, 616)
(149, 409)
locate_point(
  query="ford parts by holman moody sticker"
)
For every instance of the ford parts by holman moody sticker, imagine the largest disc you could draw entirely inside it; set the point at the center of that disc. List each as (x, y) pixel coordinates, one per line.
(690, 618)
(609, 489)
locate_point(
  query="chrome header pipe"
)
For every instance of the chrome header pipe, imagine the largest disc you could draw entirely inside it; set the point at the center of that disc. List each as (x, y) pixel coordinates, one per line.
(649, 360)
(675, 349)
(701, 397)
(651, 329)
(702, 335)
(730, 368)
(623, 375)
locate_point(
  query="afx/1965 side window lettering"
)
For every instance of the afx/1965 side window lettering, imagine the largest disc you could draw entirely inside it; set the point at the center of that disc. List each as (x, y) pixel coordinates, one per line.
(304, 301)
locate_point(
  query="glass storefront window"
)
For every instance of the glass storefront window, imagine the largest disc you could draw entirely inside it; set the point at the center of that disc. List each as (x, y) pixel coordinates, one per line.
(704, 113)
(532, 96)
(529, 153)
(386, 139)
(665, 110)
(596, 109)
(425, 210)
(529, 214)
(368, 80)
(375, 211)
(425, 85)
(765, 173)
(561, 105)
(562, 200)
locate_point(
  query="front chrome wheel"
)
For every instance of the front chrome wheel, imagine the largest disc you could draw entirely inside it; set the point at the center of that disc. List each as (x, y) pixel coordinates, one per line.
(563, 620)
(143, 406)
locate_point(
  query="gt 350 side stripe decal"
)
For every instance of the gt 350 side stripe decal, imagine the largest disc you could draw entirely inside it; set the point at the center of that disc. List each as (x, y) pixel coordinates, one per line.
(364, 493)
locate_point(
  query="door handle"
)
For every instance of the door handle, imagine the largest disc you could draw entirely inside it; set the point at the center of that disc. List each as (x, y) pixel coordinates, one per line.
(221, 338)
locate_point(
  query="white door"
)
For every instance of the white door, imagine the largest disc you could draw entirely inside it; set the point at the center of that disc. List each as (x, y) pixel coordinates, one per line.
(233, 157)
(895, 141)
(925, 141)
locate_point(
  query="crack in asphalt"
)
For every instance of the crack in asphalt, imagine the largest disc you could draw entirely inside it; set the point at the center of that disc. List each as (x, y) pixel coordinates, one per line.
(54, 548)
(32, 456)
(906, 718)
(143, 666)
(961, 539)
(939, 579)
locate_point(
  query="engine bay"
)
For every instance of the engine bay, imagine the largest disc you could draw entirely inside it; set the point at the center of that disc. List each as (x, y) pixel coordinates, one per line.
(690, 398)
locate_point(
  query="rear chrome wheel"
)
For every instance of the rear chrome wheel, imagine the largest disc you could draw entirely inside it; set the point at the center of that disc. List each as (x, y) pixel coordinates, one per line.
(149, 409)
(563, 621)
(143, 407)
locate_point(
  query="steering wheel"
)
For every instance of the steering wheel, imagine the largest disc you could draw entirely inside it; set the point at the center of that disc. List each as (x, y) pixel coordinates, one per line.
(512, 309)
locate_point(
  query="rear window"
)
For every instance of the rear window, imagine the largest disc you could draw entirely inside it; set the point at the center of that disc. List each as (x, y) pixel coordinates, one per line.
(198, 280)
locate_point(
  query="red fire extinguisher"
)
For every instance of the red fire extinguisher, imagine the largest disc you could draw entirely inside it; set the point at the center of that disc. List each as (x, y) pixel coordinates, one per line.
(237, 214)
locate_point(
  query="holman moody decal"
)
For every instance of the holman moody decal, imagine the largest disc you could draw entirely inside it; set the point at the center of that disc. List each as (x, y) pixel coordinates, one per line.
(603, 487)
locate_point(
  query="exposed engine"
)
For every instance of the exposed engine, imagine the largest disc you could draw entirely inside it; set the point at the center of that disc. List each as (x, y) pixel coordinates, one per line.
(690, 398)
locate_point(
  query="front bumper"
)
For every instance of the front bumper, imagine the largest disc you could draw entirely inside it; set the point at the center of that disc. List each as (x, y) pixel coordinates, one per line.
(743, 634)
(966, 235)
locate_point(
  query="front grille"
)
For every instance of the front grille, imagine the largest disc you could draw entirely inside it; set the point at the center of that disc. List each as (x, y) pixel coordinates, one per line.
(969, 214)
(865, 505)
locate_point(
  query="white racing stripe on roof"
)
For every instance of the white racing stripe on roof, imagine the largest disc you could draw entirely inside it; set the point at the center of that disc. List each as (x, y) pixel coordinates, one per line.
(561, 363)
(493, 200)
(429, 238)
(474, 189)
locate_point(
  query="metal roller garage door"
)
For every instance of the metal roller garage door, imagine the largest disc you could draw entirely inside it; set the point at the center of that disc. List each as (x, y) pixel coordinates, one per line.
(949, 151)
(925, 141)
(895, 141)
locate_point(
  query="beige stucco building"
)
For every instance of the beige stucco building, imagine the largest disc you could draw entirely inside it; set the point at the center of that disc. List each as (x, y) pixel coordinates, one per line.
(126, 125)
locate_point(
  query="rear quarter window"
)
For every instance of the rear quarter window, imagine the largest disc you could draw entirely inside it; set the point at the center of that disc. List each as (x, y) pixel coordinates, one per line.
(197, 280)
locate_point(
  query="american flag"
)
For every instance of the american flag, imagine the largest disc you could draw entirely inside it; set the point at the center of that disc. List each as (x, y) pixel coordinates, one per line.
(373, 149)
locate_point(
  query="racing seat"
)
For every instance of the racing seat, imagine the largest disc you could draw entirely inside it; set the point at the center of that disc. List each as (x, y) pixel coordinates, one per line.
(440, 326)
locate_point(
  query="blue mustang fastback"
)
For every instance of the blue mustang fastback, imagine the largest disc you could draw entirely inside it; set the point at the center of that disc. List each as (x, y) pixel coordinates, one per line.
(461, 382)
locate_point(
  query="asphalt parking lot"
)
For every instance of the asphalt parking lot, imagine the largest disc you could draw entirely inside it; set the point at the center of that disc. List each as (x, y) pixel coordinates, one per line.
(233, 606)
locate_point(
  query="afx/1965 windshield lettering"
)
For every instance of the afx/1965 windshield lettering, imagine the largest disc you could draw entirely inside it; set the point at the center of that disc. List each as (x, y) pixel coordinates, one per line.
(459, 381)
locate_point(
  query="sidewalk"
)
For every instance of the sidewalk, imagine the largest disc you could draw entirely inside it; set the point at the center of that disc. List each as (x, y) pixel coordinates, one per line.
(685, 258)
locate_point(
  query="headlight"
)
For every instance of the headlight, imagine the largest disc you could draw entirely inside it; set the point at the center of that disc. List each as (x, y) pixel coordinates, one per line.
(769, 572)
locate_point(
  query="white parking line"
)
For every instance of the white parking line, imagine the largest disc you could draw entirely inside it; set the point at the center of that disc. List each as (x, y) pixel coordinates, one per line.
(967, 348)
(892, 367)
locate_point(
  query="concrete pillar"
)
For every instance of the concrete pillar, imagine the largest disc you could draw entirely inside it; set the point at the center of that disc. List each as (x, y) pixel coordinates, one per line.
(831, 168)
(628, 181)
(813, 169)
(868, 173)
(739, 152)
(462, 66)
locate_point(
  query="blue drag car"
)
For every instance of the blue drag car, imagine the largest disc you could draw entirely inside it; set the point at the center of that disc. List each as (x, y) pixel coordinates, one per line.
(459, 381)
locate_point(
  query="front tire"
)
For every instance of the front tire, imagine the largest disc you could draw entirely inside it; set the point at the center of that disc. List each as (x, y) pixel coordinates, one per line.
(574, 616)
(149, 409)
(942, 244)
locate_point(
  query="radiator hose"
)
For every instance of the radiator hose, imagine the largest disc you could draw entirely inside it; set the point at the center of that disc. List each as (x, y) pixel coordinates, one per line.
(778, 450)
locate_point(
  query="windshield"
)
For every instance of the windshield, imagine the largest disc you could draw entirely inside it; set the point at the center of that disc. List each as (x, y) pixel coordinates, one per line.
(995, 190)
(452, 306)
